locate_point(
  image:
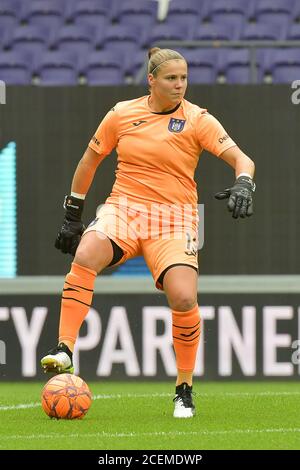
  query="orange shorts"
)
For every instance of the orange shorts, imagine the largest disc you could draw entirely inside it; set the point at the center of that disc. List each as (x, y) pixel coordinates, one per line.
(162, 245)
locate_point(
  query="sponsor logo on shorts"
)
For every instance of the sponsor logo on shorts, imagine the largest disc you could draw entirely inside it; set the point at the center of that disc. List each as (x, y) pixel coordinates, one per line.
(176, 125)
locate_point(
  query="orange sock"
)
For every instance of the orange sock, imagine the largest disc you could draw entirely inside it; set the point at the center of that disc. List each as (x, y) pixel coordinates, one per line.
(186, 336)
(76, 300)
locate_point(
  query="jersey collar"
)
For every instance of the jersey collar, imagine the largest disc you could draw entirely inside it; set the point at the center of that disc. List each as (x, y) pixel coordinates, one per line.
(166, 112)
(169, 112)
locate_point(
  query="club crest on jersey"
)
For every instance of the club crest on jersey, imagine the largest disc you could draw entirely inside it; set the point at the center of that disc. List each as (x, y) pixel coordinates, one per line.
(176, 125)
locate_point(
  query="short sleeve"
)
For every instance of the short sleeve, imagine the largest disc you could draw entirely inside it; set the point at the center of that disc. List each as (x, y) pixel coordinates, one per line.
(212, 135)
(105, 138)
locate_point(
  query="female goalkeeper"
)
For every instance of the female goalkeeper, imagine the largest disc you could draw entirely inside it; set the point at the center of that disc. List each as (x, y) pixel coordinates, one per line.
(151, 211)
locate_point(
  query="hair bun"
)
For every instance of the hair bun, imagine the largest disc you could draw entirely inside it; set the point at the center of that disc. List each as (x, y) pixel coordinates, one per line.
(152, 51)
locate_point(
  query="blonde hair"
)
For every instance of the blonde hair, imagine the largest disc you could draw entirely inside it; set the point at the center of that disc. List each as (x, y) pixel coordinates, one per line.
(158, 56)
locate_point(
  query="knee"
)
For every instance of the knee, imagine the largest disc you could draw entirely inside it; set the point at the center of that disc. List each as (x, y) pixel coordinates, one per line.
(93, 252)
(83, 258)
(182, 302)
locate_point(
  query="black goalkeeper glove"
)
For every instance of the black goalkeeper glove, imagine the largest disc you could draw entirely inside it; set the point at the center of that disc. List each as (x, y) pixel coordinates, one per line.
(240, 197)
(68, 238)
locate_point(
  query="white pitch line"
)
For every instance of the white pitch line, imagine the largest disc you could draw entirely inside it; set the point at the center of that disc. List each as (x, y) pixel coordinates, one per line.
(24, 406)
(21, 406)
(152, 434)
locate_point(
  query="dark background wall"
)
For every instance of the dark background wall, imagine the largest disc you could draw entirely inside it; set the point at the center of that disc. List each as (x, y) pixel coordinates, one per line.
(52, 127)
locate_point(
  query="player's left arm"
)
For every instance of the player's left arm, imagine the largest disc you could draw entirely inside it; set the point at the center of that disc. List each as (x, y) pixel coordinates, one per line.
(213, 137)
(239, 161)
(240, 195)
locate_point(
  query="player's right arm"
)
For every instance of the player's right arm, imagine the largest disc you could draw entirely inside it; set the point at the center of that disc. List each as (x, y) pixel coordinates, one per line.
(85, 171)
(101, 144)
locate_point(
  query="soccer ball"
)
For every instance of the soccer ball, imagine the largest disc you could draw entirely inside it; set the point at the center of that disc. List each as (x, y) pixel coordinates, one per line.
(66, 396)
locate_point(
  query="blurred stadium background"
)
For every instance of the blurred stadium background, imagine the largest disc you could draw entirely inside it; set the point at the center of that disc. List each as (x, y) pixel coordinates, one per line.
(103, 42)
(63, 65)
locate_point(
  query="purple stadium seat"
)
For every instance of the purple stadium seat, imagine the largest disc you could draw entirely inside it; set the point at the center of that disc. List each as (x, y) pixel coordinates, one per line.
(70, 7)
(15, 76)
(112, 58)
(139, 59)
(120, 37)
(274, 6)
(91, 12)
(57, 68)
(229, 7)
(238, 74)
(231, 19)
(212, 31)
(123, 39)
(283, 56)
(31, 41)
(285, 73)
(104, 75)
(177, 7)
(187, 23)
(166, 32)
(8, 15)
(264, 57)
(29, 34)
(235, 65)
(232, 57)
(201, 57)
(143, 12)
(74, 38)
(296, 12)
(280, 20)
(201, 65)
(46, 13)
(52, 76)
(7, 25)
(6, 31)
(14, 69)
(278, 58)
(202, 74)
(233, 8)
(277, 12)
(133, 35)
(100, 25)
(262, 31)
(293, 32)
(185, 13)
(8, 8)
(56, 59)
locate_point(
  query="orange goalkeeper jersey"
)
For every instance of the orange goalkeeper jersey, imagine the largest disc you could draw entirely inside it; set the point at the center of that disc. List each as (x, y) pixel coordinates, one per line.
(158, 152)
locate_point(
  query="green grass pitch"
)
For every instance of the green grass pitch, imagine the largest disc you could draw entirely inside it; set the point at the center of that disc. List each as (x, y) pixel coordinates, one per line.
(130, 415)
